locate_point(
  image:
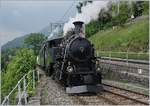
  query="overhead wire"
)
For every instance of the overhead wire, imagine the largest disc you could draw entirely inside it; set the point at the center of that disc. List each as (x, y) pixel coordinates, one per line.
(67, 11)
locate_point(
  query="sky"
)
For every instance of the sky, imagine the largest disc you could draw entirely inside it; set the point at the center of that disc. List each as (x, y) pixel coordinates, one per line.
(18, 18)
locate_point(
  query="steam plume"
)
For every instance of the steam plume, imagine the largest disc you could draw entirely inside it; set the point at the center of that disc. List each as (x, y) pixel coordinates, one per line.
(89, 12)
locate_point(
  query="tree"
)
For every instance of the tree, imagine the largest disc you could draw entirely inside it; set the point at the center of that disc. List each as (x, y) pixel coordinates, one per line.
(104, 16)
(34, 41)
(21, 63)
(81, 4)
(113, 9)
(140, 8)
(92, 28)
(122, 17)
(145, 7)
(6, 56)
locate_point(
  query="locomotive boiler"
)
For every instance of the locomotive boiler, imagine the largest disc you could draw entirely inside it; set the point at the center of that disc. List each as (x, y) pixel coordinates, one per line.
(71, 60)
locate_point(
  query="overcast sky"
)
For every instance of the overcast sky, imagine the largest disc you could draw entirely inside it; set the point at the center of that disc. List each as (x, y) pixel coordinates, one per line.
(18, 18)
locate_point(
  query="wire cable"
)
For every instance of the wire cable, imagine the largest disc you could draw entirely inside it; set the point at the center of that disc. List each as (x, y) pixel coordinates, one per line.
(67, 11)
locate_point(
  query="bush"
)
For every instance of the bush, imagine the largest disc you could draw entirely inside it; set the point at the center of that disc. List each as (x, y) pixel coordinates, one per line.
(92, 28)
(34, 41)
(145, 7)
(122, 17)
(21, 63)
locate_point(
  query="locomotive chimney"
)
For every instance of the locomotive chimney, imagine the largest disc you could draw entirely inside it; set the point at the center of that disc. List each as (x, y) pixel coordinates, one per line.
(78, 27)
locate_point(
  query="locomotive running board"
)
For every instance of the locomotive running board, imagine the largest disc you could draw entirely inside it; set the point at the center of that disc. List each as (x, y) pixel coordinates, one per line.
(82, 89)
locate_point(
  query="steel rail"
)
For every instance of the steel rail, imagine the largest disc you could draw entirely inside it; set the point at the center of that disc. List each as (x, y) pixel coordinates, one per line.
(111, 101)
(125, 89)
(142, 102)
(127, 97)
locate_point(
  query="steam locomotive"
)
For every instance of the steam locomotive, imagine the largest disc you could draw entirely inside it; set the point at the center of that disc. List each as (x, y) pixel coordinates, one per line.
(71, 61)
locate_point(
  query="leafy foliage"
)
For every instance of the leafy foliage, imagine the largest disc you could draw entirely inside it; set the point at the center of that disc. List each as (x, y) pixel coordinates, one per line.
(34, 41)
(122, 17)
(21, 63)
(110, 17)
(140, 8)
(145, 6)
(104, 16)
(92, 28)
(123, 14)
(103, 22)
(6, 57)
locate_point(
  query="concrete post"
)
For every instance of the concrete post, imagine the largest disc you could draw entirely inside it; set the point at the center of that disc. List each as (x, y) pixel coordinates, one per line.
(127, 56)
(7, 100)
(19, 94)
(33, 79)
(25, 93)
(110, 56)
(97, 53)
(38, 75)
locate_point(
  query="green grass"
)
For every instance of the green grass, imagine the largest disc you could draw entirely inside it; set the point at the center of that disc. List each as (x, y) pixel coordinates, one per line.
(131, 38)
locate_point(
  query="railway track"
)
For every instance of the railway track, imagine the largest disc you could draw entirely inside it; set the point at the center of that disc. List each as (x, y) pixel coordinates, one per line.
(123, 96)
(53, 93)
(112, 95)
(95, 99)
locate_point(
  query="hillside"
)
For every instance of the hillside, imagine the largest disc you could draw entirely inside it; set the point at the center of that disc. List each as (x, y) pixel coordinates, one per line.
(18, 42)
(133, 37)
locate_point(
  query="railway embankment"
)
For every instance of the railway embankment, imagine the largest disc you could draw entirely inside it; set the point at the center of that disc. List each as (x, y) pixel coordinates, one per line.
(50, 92)
(137, 74)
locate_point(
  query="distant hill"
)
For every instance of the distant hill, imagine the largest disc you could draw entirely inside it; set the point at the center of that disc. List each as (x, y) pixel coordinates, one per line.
(133, 37)
(18, 42)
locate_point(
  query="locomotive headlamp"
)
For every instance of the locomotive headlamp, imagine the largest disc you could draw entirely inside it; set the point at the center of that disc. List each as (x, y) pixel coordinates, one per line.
(98, 69)
(69, 69)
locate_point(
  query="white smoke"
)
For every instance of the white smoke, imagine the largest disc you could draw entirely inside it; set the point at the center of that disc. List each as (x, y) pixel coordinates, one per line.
(89, 12)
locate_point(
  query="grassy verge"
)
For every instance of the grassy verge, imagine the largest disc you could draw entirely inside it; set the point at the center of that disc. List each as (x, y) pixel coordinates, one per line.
(132, 38)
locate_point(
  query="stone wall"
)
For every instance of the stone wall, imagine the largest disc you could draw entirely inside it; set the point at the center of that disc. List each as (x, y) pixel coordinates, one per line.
(124, 73)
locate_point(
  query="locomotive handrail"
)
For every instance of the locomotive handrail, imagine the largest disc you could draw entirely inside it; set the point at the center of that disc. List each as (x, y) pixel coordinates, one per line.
(24, 92)
(63, 60)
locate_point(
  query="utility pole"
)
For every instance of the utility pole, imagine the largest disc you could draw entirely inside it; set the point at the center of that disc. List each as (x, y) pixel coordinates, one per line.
(131, 9)
(118, 5)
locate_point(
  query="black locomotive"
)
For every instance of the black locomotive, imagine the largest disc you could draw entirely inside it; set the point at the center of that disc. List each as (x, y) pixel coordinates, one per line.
(71, 61)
